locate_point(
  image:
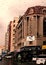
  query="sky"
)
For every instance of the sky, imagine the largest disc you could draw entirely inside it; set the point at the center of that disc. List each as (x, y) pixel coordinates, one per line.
(13, 8)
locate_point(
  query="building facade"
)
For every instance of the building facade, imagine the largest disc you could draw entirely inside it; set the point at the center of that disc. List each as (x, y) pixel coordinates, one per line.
(6, 40)
(8, 37)
(32, 23)
(11, 30)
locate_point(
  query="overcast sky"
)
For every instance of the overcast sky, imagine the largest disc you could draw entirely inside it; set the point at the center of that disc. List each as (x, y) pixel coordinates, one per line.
(12, 8)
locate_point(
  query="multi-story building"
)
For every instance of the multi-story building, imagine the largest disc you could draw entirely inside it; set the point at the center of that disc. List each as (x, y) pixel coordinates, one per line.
(32, 23)
(8, 37)
(11, 30)
(6, 40)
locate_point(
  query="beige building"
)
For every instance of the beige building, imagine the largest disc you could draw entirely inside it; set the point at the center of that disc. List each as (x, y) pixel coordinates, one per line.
(6, 40)
(2, 47)
(31, 24)
(12, 34)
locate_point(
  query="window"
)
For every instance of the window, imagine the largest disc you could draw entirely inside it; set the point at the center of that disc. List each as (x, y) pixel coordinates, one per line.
(30, 42)
(13, 34)
(14, 25)
(44, 11)
(27, 24)
(19, 56)
(38, 18)
(27, 18)
(19, 44)
(13, 43)
(37, 34)
(14, 30)
(14, 21)
(13, 38)
(44, 27)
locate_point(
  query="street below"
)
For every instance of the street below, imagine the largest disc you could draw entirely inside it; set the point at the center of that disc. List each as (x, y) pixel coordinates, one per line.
(11, 62)
(6, 62)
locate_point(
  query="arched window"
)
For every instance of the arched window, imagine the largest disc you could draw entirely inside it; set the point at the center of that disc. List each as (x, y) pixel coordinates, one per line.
(44, 10)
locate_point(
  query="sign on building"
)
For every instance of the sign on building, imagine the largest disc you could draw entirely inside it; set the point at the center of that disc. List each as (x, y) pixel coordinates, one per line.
(30, 38)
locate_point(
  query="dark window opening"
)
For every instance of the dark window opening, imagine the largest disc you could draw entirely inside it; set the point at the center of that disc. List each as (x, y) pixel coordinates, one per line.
(14, 25)
(38, 16)
(19, 44)
(27, 18)
(14, 21)
(44, 27)
(37, 34)
(14, 30)
(44, 11)
(30, 42)
(13, 34)
(20, 26)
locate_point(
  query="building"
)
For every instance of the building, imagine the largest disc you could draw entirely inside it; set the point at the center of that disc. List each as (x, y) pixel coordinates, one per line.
(6, 40)
(2, 47)
(31, 24)
(11, 33)
(8, 37)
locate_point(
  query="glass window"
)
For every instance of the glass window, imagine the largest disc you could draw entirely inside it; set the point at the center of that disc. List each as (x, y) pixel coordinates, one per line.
(18, 56)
